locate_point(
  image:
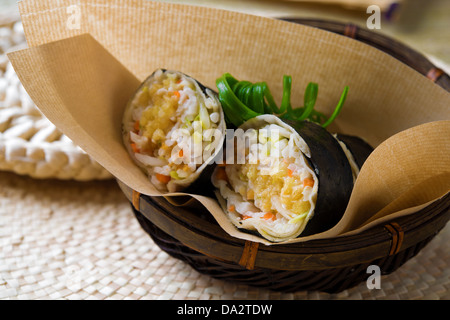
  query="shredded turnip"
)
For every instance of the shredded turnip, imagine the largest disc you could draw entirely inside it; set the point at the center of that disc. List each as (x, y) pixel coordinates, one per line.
(149, 161)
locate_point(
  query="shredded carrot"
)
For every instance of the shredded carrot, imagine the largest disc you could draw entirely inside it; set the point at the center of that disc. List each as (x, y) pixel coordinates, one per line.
(136, 126)
(290, 173)
(232, 208)
(162, 178)
(308, 182)
(245, 217)
(177, 94)
(180, 153)
(221, 174)
(134, 147)
(269, 216)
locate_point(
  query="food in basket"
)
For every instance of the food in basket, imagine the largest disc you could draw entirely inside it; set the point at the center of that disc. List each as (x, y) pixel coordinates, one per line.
(294, 177)
(173, 127)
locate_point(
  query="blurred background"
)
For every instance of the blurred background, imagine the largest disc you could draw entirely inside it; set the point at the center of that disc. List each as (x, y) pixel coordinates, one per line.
(423, 25)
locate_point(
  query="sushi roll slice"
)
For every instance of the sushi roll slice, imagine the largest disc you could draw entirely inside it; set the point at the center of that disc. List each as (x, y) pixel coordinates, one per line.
(296, 179)
(173, 127)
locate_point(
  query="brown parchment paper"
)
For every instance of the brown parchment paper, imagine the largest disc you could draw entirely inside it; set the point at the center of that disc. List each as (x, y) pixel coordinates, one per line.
(353, 4)
(86, 59)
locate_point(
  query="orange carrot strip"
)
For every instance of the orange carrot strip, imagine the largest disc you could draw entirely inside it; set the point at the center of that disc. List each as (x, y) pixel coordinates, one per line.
(136, 126)
(134, 147)
(232, 208)
(269, 216)
(177, 94)
(162, 178)
(290, 173)
(308, 182)
(180, 153)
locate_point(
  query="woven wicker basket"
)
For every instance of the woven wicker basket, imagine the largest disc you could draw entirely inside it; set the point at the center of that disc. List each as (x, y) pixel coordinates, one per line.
(192, 235)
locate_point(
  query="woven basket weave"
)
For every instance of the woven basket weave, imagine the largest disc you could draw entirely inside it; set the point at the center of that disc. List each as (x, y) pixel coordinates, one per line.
(329, 265)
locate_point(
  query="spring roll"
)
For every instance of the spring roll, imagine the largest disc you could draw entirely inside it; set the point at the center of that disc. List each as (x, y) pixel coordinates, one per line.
(296, 179)
(173, 127)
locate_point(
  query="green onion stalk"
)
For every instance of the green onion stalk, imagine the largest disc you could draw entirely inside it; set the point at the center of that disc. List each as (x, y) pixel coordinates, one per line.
(243, 100)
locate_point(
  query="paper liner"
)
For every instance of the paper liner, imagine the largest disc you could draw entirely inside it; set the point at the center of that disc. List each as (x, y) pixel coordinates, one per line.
(82, 77)
(353, 4)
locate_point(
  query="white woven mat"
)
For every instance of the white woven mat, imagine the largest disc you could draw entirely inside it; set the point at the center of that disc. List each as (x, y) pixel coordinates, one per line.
(29, 143)
(80, 240)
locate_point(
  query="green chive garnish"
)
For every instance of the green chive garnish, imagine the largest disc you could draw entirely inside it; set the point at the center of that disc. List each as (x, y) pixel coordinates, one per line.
(243, 100)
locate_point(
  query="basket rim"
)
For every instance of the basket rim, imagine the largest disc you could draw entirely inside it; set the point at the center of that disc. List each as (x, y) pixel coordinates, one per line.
(387, 44)
(206, 237)
(380, 241)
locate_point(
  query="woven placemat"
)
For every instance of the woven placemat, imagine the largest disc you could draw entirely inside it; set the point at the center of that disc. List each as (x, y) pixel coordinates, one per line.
(80, 240)
(29, 143)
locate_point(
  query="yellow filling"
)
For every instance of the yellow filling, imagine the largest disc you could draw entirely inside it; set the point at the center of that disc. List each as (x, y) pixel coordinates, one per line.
(155, 122)
(158, 120)
(281, 183)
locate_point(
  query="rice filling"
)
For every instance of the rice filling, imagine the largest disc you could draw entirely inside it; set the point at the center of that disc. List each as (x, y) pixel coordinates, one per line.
(274, 192)
(170, 126)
